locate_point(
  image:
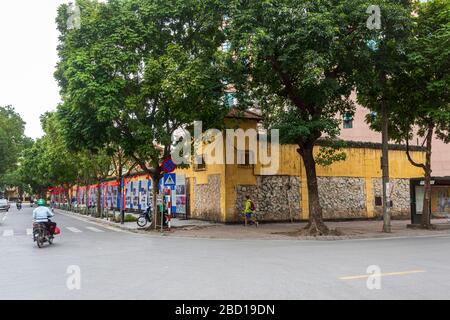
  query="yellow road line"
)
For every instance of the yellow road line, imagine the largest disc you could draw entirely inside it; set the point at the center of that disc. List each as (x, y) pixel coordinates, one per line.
(402, 273)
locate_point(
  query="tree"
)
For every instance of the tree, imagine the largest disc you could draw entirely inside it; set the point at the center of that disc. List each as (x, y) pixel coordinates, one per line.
(58, 163)
(421, 99)
(31, 170)
(381, 57)
(12, 139)
(94, 168)
(296, 60)
(137, 71)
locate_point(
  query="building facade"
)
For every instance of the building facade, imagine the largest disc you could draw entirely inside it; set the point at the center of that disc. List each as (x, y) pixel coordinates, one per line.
(356, 129)
(348, 189)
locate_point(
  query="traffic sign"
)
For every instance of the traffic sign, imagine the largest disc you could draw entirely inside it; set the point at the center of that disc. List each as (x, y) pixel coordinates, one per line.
(170, 179)
(169, 166)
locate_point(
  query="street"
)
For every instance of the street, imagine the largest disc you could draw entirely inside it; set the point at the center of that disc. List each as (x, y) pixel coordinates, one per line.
(120, 265)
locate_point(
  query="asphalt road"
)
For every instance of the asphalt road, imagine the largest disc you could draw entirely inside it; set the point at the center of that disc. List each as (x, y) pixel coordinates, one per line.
(119, 265)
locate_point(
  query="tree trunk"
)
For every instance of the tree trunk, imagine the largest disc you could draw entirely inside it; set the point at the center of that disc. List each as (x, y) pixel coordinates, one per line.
(121, 202)
(426, 214)
(155, 184)
(120, 195)
(385, 168)
(316, 226)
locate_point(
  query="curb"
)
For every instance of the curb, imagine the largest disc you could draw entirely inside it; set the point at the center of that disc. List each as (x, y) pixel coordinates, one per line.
(106, 224)
(329, 239)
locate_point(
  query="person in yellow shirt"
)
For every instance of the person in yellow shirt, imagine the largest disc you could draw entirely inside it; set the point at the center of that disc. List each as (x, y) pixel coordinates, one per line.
(249, 212)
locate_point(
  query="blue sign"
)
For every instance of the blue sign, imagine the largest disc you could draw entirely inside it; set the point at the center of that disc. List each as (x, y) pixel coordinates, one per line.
(170, 180)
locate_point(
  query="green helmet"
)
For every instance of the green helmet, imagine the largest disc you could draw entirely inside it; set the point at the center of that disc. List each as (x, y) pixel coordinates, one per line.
(41, 203)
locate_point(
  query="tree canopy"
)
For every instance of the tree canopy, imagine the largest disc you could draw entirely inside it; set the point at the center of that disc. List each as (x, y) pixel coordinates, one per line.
(12, 138)
(299, 61)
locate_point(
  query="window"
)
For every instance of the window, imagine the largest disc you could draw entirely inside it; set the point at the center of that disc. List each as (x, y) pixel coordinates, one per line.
(348, 120)
(378, 201)
(199, 164)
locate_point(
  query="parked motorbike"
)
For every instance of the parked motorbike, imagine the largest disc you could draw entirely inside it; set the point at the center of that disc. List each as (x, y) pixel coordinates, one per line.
(41, 234)
(146, 217)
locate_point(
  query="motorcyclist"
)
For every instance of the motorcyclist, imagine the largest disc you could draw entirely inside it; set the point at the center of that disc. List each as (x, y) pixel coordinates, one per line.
(42, 214)
(19, 204)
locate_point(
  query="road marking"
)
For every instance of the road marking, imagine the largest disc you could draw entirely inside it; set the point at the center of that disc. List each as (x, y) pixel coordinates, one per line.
(74, 230)
(402, 273)
(4, 217)
(8, 233)
(94, 229)
(29, 232)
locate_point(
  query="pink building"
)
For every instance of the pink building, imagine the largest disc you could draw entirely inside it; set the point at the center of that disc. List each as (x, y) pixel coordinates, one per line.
(357, 129)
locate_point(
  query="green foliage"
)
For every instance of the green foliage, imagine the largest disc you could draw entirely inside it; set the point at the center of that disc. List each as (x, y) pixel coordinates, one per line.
(331, 152)
(417, 91)
(296, 60)
(136, 72)
(12, 139)
(49, 162)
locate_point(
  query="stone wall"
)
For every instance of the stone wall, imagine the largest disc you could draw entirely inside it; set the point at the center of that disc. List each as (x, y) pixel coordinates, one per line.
(207, 199)
(342, 197)
(400, 197)
(277, 198)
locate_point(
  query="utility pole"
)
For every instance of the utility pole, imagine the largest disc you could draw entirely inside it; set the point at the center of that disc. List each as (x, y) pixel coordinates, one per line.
(385, 168)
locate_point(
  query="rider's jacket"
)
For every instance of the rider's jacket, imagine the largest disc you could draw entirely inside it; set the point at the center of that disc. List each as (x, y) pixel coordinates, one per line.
(42, 214)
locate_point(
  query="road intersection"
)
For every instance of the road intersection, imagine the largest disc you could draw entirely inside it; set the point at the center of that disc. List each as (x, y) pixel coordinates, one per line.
(121, 265)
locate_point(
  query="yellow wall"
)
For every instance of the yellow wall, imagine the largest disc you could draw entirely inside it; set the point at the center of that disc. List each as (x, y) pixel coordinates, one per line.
(360, 163)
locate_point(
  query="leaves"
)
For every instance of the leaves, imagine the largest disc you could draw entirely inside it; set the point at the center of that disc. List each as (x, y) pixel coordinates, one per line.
(12, 141)
(137, 71)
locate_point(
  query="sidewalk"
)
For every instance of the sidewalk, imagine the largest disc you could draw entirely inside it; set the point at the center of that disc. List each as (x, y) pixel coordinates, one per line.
(292, 231)
(176, 224)
(276, 231)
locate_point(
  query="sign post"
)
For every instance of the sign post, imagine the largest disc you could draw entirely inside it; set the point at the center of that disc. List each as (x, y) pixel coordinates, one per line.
(170, 181)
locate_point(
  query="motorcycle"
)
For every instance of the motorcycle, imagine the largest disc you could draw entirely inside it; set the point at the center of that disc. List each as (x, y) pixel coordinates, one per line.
(41, 234)
(19, 206)
(146, 217)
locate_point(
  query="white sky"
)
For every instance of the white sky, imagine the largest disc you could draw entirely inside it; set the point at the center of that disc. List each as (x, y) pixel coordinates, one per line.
(28, 40)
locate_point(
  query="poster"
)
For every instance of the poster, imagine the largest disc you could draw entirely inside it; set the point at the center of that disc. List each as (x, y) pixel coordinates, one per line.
(181, 204)
(144, 190)
(440, 200)
(128, 195)
(180, 196)
(92, 199)
(135, 195)
(115, 197)
(82, 196)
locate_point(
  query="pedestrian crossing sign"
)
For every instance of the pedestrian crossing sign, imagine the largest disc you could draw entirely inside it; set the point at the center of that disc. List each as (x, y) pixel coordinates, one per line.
(170, 179)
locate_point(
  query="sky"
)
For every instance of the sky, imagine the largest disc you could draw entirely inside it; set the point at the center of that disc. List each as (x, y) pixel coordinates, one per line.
(28, 57)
